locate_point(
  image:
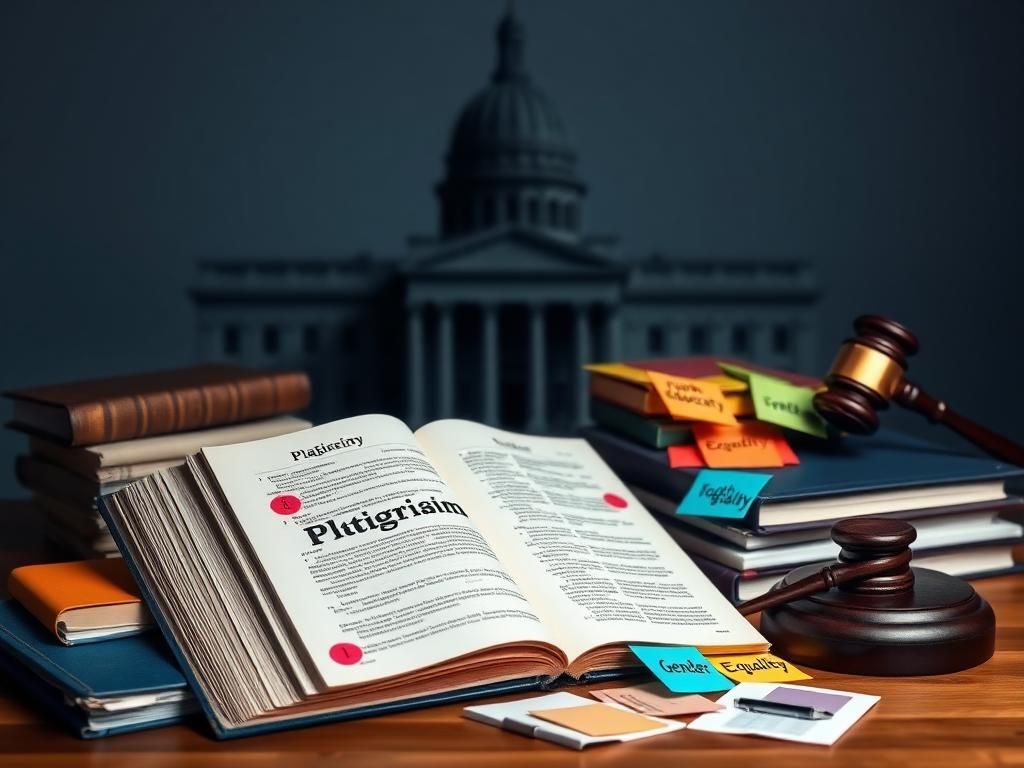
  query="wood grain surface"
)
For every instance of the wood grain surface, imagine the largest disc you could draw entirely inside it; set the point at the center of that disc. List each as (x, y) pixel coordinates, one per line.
(972, 718)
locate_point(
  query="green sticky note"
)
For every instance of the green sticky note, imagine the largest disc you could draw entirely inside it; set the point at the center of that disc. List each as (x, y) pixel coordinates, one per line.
(787, 405)
(722, 493)
(735, 371)
(682, 669)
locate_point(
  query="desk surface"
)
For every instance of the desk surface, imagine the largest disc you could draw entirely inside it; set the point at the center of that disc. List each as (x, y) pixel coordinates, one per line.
(972, 718)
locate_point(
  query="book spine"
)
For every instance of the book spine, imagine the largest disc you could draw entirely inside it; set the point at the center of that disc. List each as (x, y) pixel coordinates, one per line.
(31, 602)
(188, 408)
(48, 479)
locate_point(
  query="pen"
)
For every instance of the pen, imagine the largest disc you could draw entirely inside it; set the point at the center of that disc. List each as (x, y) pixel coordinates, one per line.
(776, 708)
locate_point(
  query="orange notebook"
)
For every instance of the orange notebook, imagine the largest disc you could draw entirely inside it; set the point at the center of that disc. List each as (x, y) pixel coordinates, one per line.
(81, 601)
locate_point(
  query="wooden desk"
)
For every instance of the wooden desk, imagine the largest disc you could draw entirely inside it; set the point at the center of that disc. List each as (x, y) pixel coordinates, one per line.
(973, 718)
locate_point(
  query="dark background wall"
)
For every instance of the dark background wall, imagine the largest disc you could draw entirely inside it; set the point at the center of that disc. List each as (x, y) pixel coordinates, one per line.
(881, 140)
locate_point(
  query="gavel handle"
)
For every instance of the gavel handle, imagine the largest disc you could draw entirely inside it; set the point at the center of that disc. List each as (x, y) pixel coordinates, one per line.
(830, 576)
(913, 397)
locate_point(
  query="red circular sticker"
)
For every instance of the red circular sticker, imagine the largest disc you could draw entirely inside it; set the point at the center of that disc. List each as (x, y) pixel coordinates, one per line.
(346, 653)
(614, 500)
(285, 505)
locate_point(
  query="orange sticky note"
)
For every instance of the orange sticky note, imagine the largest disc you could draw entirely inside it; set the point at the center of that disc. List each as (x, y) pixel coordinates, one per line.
(655, 699)
(598, 720)
(746, 446)
(684, 456)
(786, 453)
(692, 399)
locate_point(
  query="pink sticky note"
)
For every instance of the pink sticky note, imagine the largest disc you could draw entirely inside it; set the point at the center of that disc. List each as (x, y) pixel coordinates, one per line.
(685, 456)
(786, 453)
(655, 699)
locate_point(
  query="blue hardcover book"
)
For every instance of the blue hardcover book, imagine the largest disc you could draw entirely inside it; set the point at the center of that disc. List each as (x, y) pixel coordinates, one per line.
(98, 689)
(885, 473)
(334, 573)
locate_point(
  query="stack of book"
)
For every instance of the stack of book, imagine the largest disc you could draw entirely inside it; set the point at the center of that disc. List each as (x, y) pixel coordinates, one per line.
(76, 640)
(967, 523)
(91, 438)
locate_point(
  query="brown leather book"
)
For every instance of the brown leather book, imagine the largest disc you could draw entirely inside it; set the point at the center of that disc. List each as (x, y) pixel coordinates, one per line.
(645, 401)
(127, 407)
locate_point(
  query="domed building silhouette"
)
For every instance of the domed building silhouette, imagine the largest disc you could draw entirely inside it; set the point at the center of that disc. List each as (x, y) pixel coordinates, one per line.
(494, 317)
(510, 161)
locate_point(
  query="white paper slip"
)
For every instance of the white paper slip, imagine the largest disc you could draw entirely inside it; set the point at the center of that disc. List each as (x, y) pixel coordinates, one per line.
(514, 716)
(846, 708)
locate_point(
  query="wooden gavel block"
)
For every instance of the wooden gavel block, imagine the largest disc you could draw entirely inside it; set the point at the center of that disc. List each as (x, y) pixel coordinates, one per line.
(871, 613)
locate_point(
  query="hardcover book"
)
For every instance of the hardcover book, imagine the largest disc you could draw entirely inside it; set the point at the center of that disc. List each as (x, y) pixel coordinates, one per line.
(93, 461)
(358, 567)
(626, 385)
(883, 473)
(970, 561)
(934, 532)
(655, 432)
(81, 601)
(98, 689)
(140, 405)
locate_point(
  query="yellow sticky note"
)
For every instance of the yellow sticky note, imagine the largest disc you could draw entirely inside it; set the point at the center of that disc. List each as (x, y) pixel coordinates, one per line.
(757, 668)
(598, 720)
(692, 399)
(727, 383)
(619, 371)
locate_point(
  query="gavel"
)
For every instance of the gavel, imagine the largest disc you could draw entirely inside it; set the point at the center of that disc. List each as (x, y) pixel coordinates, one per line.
(869, 372)
(871, 613)
(874, 559)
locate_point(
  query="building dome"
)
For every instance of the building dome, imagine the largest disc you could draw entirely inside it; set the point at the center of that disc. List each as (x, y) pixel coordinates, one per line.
(509, 161)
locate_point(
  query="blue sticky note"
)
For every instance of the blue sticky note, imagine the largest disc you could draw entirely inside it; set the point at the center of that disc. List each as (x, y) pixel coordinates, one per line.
(722, 493)
(682, 669)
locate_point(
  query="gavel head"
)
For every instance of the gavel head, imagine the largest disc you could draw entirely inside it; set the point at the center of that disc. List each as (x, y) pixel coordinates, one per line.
(866, 374)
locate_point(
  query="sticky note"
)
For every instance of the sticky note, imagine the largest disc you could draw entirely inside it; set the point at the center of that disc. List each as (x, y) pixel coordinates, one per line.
(682, 669)
(598, 720)
(757, 668)
(779, 402)
(655, 699)
(692, 399)
(685, 456)
(722, 493)
(619, 371)
(728, 384)
(746, 445)
(735, 371)
(786, 452)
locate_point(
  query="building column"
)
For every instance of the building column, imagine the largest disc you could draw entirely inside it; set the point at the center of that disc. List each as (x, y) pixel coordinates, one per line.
(489, 361)
(721, 338)
(583, 353)
(415, 374)
(538, 374)
(210, 346)
(251, 343)
(803, 344)
(613, 333)
(446, 362)
(291, 341)
(761, 342)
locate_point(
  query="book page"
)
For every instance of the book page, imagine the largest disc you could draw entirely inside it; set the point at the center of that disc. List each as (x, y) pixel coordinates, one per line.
(595, 564)
(376, 564)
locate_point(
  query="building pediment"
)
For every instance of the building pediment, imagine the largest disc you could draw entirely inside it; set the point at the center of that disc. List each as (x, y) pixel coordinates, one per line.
(520, 253)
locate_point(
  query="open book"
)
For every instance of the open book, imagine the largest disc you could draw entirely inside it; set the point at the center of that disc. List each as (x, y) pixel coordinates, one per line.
(357, 564)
